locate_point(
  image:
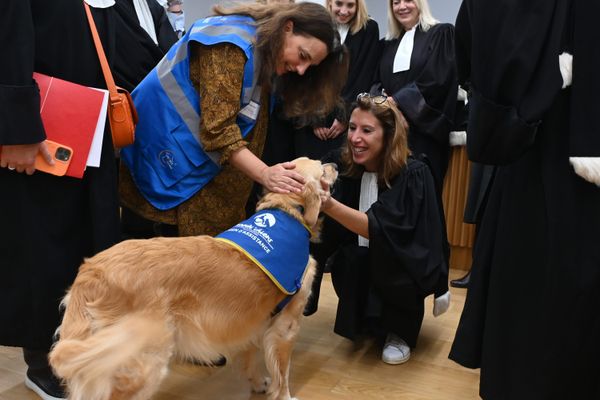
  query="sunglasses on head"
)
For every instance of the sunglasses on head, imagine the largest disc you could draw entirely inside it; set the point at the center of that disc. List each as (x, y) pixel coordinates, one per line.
(375, 99)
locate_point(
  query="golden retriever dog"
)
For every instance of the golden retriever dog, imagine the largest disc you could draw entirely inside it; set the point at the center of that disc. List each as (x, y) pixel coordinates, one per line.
(136, 306)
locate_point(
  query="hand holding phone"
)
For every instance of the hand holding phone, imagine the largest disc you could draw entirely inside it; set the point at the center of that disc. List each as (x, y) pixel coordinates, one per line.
(61, 156)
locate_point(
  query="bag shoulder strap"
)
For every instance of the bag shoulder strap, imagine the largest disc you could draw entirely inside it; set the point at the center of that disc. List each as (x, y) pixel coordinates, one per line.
(110, 82)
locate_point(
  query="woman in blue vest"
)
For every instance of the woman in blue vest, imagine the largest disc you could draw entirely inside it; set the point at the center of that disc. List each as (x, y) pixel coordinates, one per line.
(204, 111)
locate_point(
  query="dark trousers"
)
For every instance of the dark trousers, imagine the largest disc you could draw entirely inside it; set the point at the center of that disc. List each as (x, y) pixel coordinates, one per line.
(36, 359)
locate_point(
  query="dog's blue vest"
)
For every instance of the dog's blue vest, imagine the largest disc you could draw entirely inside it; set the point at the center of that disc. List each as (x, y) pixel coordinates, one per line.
(277, 243)
(167, 160)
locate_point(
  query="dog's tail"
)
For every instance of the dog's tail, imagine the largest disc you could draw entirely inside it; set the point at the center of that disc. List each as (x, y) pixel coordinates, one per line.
(122, 360)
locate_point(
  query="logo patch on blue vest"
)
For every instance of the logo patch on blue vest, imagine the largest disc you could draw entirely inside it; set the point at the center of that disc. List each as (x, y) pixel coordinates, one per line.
(277, 243)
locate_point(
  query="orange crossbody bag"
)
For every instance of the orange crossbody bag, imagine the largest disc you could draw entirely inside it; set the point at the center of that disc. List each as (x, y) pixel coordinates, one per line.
(122, 115)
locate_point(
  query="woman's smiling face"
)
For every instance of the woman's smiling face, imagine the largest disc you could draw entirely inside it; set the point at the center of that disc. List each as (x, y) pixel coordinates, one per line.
(343, 10)
(365, 136)
(406, 12)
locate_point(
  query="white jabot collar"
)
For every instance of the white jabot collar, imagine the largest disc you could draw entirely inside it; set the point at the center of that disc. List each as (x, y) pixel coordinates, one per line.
(145, 17)
(343, 31)
(368, 196)
(565, 62)
(404, 52)
(100, 3)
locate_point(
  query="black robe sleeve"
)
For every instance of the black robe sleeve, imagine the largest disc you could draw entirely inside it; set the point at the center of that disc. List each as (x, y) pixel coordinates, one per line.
(405, 234)
(165, 34)
(20, 121)
(135, 52)
(426, 93)
(514, 73)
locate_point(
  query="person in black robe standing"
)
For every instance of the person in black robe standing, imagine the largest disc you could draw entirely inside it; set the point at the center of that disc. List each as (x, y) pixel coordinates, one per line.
(382, 233)
(530, 320)
(417, 71)
(145, 35)
(49, 223)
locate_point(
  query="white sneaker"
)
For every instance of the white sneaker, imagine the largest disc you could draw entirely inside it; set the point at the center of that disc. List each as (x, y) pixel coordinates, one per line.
(395, 350)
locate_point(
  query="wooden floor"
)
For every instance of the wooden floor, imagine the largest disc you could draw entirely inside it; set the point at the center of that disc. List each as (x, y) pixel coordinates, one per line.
(324, 366)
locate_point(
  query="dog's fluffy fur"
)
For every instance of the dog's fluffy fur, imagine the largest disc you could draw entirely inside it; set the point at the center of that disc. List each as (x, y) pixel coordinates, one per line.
(135, 306)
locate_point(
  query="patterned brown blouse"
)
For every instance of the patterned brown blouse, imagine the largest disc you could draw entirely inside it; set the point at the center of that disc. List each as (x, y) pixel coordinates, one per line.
(216, 72)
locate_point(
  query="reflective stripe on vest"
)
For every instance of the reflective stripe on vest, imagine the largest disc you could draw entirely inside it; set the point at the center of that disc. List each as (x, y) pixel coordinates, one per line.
(167, 160)
(277, 243)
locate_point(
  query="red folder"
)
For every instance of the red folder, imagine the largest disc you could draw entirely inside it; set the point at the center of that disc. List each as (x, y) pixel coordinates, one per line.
(70, 114)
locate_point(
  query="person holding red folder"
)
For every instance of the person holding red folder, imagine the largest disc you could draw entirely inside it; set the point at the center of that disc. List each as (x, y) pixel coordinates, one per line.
(48, 224)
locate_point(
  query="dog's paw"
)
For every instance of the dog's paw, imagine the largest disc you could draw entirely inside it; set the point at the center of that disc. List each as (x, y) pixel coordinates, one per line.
(260, 384)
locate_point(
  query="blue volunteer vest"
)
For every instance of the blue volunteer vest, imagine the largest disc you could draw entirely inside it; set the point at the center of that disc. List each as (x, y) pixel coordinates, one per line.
(167, 161)
(277, 243)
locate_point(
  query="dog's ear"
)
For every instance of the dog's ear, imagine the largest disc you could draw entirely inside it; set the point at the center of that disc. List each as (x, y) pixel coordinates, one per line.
(312, 203)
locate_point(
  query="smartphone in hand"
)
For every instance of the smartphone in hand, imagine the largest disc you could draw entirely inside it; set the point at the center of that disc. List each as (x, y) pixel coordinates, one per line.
(62, 156)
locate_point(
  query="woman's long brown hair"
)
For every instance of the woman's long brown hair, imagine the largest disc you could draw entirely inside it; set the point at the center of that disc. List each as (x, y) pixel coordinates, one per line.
(315, 93)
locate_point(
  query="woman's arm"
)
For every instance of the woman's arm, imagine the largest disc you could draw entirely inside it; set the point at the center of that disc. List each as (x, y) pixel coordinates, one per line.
(218, 71)
(353, 220)
(21, 128)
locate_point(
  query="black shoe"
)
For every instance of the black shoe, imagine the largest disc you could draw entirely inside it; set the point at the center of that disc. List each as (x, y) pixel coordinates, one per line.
(462, 282)
(45, 384)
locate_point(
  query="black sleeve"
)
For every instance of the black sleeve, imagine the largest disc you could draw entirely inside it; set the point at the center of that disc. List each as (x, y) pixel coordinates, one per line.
(463, 45)
(20, 121)
(514, 73)
(405, 231)
(585, 124)
(165, 34)
(429, 102)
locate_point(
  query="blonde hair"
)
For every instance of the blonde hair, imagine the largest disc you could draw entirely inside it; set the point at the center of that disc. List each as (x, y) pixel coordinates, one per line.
(360, 19)
(395, 28)
(395, 141)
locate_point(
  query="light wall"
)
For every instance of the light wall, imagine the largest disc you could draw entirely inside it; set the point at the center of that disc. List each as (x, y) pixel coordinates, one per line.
(444, 10)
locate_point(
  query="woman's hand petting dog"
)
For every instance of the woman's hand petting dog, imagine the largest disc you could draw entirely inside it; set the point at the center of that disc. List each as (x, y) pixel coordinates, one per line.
(281, 178)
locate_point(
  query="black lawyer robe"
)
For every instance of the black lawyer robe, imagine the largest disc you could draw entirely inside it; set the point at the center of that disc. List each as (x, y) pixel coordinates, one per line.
(403, 264)
(364, 50)
(530, 320)
(49, 224)
(135, 52)
(425, 93)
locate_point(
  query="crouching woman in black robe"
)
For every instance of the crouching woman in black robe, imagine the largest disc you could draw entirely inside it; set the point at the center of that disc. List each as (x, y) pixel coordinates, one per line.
(382, 234)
